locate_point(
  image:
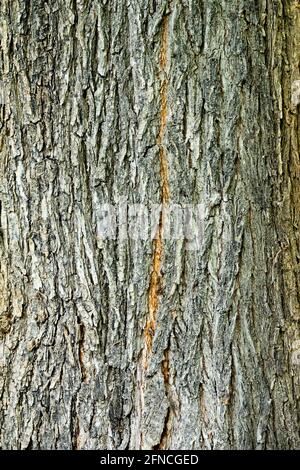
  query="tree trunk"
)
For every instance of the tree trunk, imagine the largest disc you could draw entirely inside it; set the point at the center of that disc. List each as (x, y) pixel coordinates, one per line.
(122, 343)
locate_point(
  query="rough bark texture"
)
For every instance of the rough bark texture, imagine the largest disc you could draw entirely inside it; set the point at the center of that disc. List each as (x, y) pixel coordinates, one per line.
(113, 344)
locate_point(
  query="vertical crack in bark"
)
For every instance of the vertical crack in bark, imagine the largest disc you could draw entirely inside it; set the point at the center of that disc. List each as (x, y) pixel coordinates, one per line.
(81, 354)
(78, 439)
(166, 433)
(155, 277)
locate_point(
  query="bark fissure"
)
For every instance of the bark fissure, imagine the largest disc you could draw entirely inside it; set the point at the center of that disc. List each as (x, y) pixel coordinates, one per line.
(81, 353)
(158, 246)
(167, 429)
(155, 284)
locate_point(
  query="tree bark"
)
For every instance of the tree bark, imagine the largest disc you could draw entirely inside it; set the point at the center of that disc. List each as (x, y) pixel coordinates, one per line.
(114, 344)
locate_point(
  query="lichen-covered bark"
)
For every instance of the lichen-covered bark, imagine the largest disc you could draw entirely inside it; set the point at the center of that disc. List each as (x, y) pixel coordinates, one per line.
(113, 344)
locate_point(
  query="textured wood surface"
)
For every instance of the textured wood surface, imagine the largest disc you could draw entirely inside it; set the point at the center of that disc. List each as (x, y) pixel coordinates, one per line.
(114, 344)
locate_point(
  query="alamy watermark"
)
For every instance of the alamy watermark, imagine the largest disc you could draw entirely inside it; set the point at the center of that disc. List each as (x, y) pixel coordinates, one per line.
(149, 222)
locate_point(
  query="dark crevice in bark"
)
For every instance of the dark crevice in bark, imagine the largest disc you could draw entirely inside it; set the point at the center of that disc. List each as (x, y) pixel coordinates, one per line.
(81, 353)
(167, 430)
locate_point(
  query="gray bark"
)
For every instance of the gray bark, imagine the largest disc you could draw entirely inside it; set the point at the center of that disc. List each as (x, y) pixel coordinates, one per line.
(114, 344)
